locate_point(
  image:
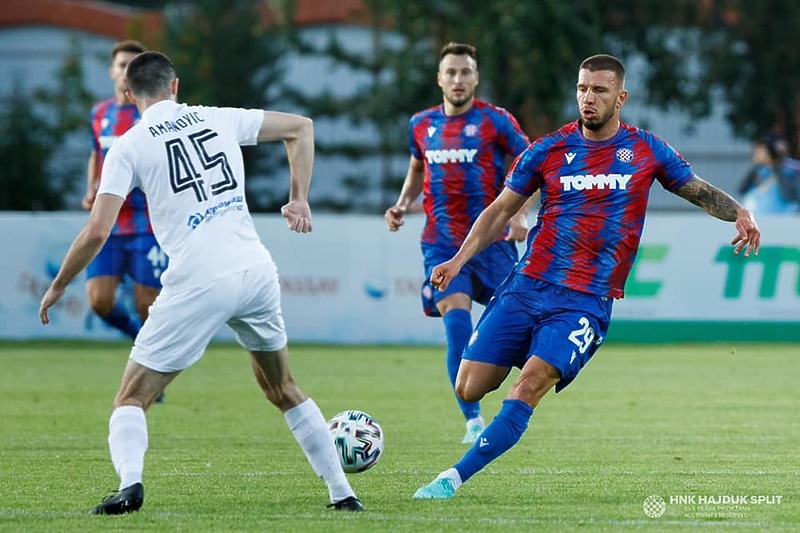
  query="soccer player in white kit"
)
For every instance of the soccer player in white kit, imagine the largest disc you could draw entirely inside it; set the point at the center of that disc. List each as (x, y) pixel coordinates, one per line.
(188, 162)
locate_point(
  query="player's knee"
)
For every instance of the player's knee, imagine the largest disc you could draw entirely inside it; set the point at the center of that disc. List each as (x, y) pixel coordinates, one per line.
(469, 391)
(102, 306)
(532, 388)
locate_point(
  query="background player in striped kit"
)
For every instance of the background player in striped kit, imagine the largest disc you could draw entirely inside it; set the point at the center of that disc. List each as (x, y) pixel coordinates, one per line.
(131, 249)
(552, 315)
(458, 160)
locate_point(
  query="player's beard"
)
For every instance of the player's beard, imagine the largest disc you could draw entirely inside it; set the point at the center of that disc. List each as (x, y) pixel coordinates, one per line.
(461, 101)
(597, 123)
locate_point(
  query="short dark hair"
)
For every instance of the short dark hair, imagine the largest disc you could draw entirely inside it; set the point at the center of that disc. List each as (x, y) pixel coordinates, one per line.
(604, 62)
(776, 146)
(459, 49)
(132, 46)
(150, 74)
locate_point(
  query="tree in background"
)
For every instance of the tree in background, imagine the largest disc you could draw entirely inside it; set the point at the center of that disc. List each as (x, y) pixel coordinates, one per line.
(695, 52)
(527, 51)
(754, 60)
(372, 118)
(25, 148)
(37, 173)
(694, 55)
(743, 53)
(232, 54)
(235, 53)
(398, 77)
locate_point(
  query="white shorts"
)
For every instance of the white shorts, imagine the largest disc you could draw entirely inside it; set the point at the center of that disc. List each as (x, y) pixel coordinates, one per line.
(182, 322)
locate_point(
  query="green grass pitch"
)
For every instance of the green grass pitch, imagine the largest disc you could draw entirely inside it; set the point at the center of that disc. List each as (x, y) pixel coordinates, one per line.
(690, 424)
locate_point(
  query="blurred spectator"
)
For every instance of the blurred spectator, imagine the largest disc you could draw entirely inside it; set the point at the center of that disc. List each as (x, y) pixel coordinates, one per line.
(772, 186)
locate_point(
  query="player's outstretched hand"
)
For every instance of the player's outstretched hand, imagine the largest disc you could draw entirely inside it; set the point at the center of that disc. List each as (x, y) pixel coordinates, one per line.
(49, 300)
(298, 216)
(443, 274)
(748, 236)
(394, 217)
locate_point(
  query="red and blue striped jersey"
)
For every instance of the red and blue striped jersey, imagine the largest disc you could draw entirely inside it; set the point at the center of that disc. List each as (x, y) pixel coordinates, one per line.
(465, 159)
(594, 196)
(109, 121)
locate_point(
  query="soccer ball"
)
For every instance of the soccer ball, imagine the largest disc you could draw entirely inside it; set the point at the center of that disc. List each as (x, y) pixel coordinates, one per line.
(358, 439)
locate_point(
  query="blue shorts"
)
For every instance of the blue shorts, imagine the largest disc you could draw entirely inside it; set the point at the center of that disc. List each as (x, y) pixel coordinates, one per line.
(478, 278)
(139, 256)
(532, 317)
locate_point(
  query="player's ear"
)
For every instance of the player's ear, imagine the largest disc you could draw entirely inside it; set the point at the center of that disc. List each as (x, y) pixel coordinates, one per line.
(621, 98)
(174, 88)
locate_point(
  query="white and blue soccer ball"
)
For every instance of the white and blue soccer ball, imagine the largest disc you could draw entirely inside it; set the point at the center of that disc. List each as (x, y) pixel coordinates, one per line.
(358, 439)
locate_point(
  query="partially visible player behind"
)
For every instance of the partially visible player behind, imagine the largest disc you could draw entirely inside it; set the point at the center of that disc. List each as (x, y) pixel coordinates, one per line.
(132, 248)
(458, 159)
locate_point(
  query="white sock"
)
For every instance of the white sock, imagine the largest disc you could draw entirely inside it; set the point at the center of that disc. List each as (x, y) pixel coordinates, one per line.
(454, 477)
(477, 420)
(311, 431)
(127, 441)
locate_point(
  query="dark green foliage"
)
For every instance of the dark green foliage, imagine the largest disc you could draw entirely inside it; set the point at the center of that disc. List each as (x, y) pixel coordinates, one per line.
(527, 51)
(396, 83)
(740, 52)
(36, 172)
(757, 63)
(695, 53)
(25, 147)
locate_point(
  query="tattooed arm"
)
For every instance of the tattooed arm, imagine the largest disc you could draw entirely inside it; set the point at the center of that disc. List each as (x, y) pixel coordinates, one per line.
(713, 201)
(721, 205)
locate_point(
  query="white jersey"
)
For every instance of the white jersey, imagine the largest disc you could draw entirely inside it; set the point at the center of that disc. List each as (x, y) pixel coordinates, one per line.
(188, 162)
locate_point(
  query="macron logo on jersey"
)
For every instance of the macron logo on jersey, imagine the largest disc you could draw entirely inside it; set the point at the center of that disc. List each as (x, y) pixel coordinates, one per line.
(588, 182)
(462, 155)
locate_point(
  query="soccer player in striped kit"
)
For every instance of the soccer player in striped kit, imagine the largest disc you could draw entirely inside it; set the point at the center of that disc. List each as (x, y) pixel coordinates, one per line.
(132, 248)
(552, 315)
(458, 160)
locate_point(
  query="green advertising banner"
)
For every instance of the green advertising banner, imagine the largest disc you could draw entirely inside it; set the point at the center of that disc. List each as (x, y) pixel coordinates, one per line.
(688, 285)
(351, 282)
